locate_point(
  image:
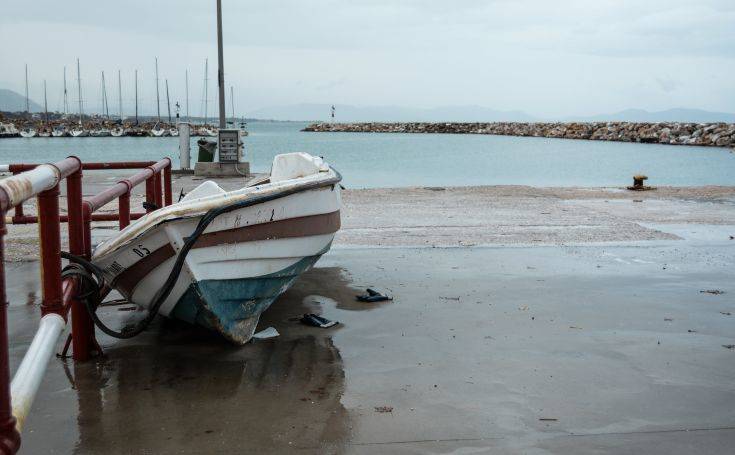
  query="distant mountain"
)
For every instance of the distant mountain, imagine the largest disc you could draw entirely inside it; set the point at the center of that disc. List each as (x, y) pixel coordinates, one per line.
(347, 113)
(11, 101)
(670, 115)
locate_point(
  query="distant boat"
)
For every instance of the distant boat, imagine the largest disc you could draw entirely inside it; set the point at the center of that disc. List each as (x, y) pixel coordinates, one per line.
(28, 132)
(59, 131)
(173, 132)
(79, 132)
(8, 130)
(118, 131)
(44, 133)
(101, 132)
(158, 131)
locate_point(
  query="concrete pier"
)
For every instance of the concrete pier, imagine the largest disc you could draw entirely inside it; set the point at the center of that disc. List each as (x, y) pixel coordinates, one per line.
(524, 320)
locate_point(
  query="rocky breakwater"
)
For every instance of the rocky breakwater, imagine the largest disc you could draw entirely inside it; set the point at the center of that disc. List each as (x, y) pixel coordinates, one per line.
(705, 134)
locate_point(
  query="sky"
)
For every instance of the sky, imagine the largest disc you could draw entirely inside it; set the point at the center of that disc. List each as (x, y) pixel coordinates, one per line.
(547, 58)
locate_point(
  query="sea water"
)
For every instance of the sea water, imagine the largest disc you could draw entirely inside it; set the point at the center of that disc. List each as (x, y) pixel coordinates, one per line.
(370, 160)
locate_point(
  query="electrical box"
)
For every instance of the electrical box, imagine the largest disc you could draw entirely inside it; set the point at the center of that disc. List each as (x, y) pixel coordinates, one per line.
(229, 145)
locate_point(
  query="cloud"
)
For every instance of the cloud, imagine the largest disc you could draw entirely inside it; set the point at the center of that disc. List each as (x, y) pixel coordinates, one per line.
(549, 58)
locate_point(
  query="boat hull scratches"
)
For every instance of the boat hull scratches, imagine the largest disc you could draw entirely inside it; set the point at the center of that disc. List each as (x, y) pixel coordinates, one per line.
(233, 307)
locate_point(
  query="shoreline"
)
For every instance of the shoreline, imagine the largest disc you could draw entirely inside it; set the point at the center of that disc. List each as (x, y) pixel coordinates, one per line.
(468, 216)
(672, 133)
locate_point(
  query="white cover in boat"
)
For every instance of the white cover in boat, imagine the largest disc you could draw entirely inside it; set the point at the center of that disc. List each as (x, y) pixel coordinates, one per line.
(296, 165)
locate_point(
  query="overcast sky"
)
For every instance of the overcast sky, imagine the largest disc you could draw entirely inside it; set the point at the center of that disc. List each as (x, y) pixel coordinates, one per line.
(548, 58)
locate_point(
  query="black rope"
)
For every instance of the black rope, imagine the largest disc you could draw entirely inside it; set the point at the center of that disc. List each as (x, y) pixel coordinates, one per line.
(91, 269)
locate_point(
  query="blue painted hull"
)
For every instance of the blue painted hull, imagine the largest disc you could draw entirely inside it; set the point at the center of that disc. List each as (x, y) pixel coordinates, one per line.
(233, 307)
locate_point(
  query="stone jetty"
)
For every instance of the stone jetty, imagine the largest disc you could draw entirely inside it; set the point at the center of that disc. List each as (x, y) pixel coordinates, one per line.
(704, 134)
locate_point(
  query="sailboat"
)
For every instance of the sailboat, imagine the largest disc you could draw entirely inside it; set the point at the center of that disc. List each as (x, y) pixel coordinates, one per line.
(79, 131)
(119, 130)
(157, 130)
(60, 130)
(28, 131)
(102, 131)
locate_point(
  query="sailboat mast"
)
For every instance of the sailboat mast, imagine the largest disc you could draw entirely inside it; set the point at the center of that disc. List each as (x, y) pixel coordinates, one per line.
(221, 69)
(119, 94)
(232, 103)
(45, 102)
(187, 95)
(158, 97)
(136, 97)
(66, 99)
(105, 104)
(206, 74)
(168, 103)
(79, 92)
(28, 108)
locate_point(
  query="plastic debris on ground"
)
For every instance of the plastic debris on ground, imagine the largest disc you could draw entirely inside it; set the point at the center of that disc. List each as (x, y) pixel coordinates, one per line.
(372, 295)
(265, 334)
(317, 321)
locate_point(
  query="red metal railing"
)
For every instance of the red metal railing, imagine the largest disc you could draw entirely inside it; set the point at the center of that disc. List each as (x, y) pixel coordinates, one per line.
(59, 296)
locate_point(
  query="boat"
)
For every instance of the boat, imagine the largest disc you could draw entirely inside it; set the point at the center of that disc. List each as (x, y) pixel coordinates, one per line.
(59, 131)
(173, 132)
(227, 256)
(118, 131)
(78, 131)
(28, 132)
(157, 131)
(8, 130)
(44, 133)
(100, 132)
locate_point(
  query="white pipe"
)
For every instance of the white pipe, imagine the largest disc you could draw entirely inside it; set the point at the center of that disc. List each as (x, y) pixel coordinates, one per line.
(28, 378)
(184, 145)
(22, 187)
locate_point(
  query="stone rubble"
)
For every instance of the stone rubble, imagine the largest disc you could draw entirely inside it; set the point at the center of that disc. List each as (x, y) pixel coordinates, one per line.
(676, 133)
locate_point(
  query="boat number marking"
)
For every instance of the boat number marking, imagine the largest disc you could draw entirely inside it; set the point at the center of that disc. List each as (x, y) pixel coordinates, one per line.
(141, 251)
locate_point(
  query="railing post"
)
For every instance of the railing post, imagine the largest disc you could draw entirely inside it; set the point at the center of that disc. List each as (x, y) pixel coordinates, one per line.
(124, 209)
(82, 327)
(159, 194)
(19, 215)
(150, 193)
(49, 231)
(9, 435)
(167, 196)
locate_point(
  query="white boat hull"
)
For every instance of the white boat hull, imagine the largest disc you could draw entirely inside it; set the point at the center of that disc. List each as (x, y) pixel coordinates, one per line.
(243, 261)
(28, 133)
(79, 133)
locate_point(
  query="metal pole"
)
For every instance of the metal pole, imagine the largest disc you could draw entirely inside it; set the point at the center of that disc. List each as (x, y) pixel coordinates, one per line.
(79, 91)
(187, 96)
(168, 103)
(9, 435)
(232, 103)
(82, 327)
(66, 99)
(119, 94)
(45, 102)
(136, 97)
(28, 109)
(105, 104)
(206, 81)
(158, 98)
(221, 70)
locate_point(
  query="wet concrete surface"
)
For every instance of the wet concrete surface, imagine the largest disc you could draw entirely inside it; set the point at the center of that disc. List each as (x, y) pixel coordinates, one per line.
(558, 349)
